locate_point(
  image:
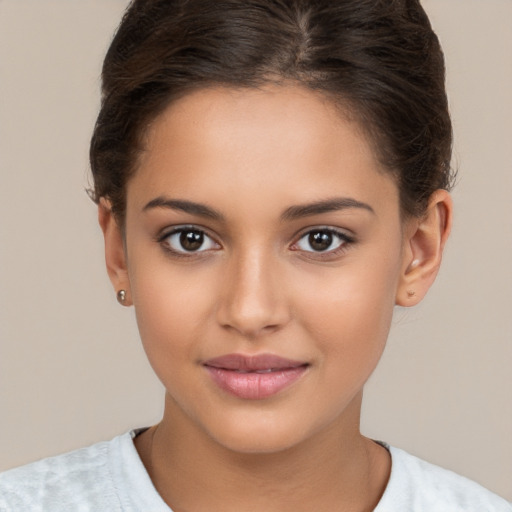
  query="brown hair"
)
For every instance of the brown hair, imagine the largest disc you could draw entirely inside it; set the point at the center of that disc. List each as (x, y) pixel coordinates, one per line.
(378, 59)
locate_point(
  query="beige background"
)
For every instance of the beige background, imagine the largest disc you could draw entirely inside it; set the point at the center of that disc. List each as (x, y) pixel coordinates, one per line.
(71, 368)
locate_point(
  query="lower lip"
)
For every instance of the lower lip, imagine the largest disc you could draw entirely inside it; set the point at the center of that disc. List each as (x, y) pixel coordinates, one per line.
(255, 386)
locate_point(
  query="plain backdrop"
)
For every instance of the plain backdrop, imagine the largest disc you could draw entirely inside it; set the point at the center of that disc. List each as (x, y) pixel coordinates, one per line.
(72, 370)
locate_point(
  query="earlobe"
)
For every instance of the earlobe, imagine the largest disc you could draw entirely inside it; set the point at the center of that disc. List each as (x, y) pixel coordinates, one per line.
(115, 255)
(424, 241)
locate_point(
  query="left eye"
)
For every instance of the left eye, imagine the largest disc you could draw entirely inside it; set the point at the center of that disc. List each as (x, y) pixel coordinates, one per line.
(322, 240)
(189, 240)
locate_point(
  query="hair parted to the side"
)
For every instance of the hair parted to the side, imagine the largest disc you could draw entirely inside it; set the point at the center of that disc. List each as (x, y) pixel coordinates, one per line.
(379, 60)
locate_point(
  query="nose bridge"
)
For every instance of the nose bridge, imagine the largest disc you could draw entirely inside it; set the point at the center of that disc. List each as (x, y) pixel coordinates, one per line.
(253, 300)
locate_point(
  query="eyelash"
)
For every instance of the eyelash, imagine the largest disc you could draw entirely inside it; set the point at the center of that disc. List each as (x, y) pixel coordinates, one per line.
(344, 239)
(345, 242)
(180, 230)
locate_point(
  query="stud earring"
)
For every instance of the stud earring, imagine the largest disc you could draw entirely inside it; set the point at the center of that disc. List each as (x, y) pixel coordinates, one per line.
(411, 293)
(121, 297)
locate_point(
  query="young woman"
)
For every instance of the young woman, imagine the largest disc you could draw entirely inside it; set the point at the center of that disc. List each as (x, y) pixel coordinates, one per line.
(272, 179)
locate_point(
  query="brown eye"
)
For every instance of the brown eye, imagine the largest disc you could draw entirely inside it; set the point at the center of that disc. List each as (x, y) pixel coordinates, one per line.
(191, 240)
(322, 240)
(188, 240)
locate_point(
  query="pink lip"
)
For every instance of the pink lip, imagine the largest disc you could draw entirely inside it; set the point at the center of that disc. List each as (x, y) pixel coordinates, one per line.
(254, 377)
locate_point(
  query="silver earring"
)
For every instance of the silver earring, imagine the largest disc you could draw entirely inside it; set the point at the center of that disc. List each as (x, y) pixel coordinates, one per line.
(121, 297)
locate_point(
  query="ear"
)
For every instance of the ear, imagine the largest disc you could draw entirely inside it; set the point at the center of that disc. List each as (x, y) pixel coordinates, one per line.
(115, 254)
(424, 241)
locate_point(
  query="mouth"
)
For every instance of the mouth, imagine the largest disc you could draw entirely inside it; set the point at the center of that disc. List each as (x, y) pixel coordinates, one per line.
(254, 377)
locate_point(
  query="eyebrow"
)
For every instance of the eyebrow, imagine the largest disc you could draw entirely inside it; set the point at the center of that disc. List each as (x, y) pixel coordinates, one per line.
(185, 206)
(291, 213)
(328, 205)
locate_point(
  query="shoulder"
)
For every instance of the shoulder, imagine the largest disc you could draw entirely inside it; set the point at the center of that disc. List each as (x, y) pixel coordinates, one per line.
(417, 485)
(61, 483)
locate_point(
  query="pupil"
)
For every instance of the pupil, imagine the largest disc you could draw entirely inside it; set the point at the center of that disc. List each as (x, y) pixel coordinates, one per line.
(320, 240)
(191, 240)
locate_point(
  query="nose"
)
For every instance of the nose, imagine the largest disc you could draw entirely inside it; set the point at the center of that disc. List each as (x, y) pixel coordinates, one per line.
(253, 301)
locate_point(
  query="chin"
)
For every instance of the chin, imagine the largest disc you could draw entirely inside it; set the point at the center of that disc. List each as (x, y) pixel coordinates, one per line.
(259, 434)
(262, 444)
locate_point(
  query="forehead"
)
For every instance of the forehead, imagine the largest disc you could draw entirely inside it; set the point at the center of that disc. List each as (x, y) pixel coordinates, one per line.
(284, 139)
(280, 113)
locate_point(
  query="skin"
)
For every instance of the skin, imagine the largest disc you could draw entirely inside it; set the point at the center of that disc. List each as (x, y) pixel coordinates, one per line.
(260, 287)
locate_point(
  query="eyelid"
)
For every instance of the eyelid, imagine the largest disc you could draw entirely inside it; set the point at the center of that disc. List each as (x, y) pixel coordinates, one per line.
(342, 233)
(172, 230)
(347, 239)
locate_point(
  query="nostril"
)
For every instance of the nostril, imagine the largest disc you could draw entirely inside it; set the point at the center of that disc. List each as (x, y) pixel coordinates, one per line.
(252, 302)
(251, 330)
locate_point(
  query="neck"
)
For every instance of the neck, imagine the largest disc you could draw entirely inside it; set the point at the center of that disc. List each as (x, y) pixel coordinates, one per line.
(337, 469)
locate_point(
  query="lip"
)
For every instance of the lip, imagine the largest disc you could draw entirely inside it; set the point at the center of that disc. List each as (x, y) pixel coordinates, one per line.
(254, 377)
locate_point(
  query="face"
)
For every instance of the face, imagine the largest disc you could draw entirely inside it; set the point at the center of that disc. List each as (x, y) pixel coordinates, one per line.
(264, 249)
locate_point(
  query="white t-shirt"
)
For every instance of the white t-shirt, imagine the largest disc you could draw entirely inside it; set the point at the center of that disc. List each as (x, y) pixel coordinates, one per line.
(110, 476)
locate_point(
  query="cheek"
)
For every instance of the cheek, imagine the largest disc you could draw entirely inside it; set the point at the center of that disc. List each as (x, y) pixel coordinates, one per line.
(348, 310)
(350, 326)
(172, 306)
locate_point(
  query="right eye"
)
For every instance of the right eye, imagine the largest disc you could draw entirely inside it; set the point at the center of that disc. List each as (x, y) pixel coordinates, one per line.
(188, 240)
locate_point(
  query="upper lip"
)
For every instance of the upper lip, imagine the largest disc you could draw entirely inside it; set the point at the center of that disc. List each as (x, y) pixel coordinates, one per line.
(248, 363)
